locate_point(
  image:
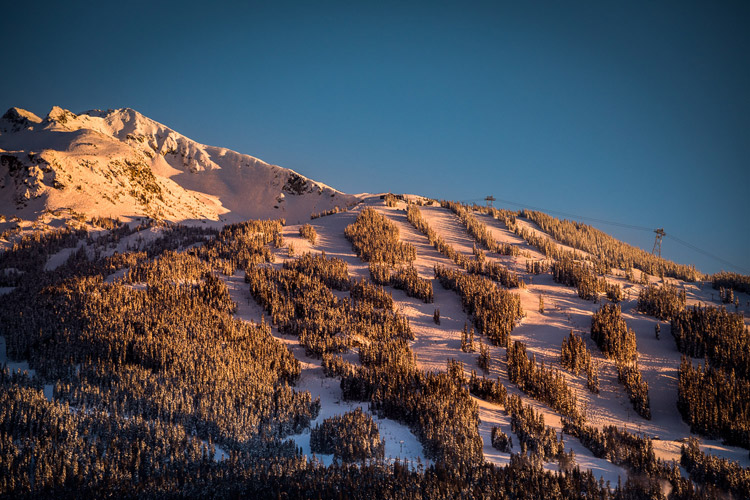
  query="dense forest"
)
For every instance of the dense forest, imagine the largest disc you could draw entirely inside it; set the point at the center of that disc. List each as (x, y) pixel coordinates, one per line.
(164, 371)
(731, 281)
(715, 402)
(146, 385)
(303, 305)
(99, 454)
(374, 238)
(334, 272)
(716, 335)
(708, 469)
(580, 276)
(351, 437)
(663, 302)
(715, 398)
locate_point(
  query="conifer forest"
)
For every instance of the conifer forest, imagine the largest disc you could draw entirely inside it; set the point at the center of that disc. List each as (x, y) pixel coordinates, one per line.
(400, 348)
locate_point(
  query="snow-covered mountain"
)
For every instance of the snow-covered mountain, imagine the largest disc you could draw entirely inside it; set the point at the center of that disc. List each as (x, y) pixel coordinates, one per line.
(121, 163)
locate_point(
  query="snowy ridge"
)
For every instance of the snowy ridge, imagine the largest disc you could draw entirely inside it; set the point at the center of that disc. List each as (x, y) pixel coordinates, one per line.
(121, 163)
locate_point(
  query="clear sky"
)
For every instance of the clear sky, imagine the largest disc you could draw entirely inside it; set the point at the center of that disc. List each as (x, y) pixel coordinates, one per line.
(637, 112)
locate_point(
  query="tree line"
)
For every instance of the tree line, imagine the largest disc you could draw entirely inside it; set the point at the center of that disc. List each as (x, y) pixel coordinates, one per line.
(575, 357)
(302, 305)
(710, 469)
(663, 302)
(579, 275)
(374, 238)
(608, 249)
(715, 402)
(732, 281)
(539, 382)
(713, 333)
(617, 341)
(478, 265)
(403, 278)
(494, 311)
(478, 230)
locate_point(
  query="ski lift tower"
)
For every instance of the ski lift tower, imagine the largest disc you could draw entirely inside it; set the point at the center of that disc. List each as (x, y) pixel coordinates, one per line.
(657, 242)
(489, 200)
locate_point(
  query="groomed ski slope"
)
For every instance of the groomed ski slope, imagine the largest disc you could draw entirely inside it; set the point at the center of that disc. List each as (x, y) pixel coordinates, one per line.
(542, 333)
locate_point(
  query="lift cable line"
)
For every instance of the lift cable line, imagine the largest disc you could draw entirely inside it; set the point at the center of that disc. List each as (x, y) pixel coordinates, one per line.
(565, 214)
(621, 224)
(708, 254)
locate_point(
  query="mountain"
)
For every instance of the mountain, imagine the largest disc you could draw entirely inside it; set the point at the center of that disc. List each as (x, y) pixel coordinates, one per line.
(428, 347)
(121, 163)
(409, 345)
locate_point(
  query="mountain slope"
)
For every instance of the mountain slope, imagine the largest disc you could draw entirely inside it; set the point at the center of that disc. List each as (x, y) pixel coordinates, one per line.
(121, 163)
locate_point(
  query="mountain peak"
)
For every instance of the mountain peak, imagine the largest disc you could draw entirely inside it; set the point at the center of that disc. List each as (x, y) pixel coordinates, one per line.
(122, 163)
(16, 119)
(17, 115)
(60, 115)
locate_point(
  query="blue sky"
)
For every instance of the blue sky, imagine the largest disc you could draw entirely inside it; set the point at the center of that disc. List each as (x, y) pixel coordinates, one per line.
(637, 112)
